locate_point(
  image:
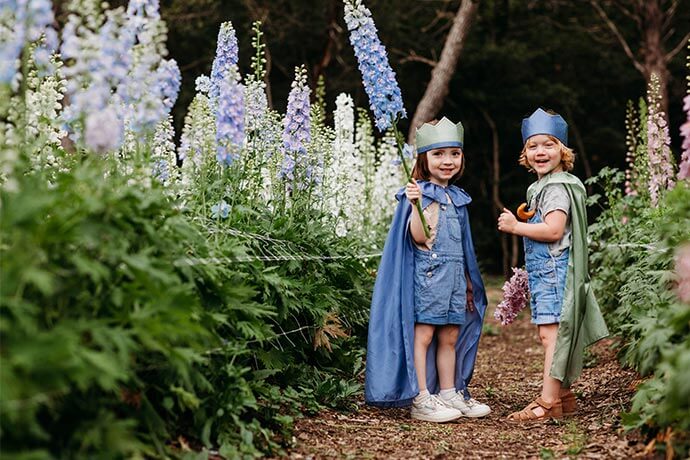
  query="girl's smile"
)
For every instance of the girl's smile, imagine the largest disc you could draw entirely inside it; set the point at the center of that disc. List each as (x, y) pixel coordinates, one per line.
(444, 164)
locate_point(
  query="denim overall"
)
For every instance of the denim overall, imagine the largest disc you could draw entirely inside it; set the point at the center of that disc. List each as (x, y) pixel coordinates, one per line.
(546, 275)
(440, 286)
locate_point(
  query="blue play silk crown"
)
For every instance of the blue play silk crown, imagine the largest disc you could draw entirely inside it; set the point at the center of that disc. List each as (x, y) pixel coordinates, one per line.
(445, 133)
(541, 122)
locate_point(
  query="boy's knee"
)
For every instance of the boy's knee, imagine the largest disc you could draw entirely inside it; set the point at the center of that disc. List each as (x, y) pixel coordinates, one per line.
(548, 334)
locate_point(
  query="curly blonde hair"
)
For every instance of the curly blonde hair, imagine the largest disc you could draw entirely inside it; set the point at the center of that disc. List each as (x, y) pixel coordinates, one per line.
(567, 156)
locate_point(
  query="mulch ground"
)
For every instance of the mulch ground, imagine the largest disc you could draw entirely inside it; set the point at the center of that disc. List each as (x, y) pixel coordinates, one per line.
(507, 377)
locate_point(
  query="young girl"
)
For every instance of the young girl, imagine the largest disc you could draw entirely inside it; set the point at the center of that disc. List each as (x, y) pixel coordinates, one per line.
(429, 299)
(555, 236)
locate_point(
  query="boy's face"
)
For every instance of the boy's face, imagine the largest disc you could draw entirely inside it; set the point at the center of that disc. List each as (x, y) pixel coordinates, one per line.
(543, 154)
(444, 163)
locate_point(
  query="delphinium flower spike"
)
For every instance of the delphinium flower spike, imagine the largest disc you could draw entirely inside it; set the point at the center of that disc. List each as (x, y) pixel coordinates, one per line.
(378, 77)
(230, 118)
(379, 80)
(296, 125)
(226, 57)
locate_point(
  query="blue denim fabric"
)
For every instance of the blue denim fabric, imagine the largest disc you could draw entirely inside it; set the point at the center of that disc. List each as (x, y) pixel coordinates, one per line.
(440, 287)
(546, 275)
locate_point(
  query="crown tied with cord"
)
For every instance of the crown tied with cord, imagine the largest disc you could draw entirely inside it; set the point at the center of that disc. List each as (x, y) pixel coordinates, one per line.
(541, 122)
(443, 134)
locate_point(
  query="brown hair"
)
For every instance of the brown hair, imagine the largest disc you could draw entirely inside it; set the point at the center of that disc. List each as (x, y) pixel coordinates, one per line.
(567, 155)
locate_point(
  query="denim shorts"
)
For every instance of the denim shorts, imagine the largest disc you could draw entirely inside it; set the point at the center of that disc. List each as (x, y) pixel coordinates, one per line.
(440, 291)
(547, 285)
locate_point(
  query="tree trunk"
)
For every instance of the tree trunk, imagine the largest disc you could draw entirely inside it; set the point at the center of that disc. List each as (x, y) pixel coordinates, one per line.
(654, 24)
(498, 206)
(653, 47)
(437, 89)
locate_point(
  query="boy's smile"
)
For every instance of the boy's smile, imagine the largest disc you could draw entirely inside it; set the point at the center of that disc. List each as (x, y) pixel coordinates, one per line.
(543, 154)
(443, 164)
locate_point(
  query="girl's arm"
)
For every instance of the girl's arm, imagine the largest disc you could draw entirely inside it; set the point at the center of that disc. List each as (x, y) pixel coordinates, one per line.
(413, 193)
(549, 231)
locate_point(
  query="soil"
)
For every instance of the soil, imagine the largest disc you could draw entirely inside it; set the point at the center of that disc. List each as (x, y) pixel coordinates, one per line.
(507, 377)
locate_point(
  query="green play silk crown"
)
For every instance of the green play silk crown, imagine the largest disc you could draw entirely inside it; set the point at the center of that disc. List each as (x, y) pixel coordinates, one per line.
(445, 133)
(541, 122)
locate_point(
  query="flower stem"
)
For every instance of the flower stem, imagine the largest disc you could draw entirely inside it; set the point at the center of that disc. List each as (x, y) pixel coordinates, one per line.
(408, 175)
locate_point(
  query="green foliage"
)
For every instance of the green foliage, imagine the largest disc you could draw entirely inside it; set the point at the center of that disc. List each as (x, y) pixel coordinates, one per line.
(127, 322)
(632, 264)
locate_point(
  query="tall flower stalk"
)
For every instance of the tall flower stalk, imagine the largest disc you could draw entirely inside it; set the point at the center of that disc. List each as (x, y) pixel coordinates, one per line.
(631, 140)
(658, 144)
(296, 124)
(230, 118)
(379, 80)
(684, 166)
(227, 56)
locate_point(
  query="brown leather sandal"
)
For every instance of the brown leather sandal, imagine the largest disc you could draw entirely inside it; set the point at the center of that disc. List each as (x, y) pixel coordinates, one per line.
(551, 410)
(569, 403)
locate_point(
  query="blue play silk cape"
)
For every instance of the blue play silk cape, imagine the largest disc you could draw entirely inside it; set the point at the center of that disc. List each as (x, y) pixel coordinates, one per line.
(390, 379)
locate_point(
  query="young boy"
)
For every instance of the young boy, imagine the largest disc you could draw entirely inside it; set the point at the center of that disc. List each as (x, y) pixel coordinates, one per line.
(562, 303)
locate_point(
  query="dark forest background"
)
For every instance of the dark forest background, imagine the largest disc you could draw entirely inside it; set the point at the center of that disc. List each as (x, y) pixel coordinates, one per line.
(518, 55)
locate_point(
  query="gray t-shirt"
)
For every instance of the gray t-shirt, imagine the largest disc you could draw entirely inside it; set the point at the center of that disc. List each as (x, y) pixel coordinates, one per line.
(555, 197)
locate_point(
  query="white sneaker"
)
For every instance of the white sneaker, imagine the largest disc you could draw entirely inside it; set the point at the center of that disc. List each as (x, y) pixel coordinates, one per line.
(433, 410)
(478, 409)
(468, 407)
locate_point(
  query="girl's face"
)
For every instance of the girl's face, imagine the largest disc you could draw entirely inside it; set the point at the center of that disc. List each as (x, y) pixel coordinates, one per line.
(543, 155)
(443, 164)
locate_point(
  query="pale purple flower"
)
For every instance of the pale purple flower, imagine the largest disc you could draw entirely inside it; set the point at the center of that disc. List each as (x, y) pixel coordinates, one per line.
(226, 57)
(103, 130)
(660, 158)
(152, 82)
(141, 15)
(169, 80)
(220, 210)
(97, 64)
(683, 272)
(378, 77)
(160, 170)
(684, 167)
(408, 151)
(230, 119)
(296, 125)
(658, 145)
(515, 297)
(27, 21)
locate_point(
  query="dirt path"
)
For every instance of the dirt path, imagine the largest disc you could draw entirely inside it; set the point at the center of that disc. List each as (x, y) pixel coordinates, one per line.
(507, 377)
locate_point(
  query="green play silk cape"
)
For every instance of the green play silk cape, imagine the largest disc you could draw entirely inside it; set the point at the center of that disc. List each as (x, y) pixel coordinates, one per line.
(581, 321)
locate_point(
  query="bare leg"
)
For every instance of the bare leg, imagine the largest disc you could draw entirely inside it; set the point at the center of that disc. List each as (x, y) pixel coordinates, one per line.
(423, 334)
(445, 355)
(551, 388)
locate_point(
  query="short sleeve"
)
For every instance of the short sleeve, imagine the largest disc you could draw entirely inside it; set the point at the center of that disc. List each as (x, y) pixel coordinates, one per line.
(554, 197)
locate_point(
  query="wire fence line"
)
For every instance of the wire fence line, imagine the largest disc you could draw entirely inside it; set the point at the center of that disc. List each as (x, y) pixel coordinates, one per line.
(267, 249)
(192, 261)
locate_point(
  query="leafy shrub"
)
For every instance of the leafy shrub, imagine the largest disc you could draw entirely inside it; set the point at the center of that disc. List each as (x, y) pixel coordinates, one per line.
(632, 261)
(125, 323)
